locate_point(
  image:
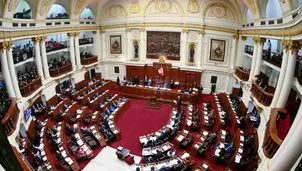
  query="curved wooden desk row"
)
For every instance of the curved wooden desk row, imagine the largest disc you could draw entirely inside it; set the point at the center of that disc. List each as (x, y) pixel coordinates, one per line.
(188, 122)
(272, 141)
(28, 89)
(168, 162)
(85, 88)
(262, 96)
(166, 96)
(104, 106)
(11, 117)
(235, 120)
(193, 149)
(93, 103)
(153, 150)
(57, 108)
(60, 71)
(242, 74)
(218, 112)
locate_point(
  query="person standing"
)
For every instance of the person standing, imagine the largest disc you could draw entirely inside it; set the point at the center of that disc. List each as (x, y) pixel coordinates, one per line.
(118, 81)
(178, 102)
(213, 88)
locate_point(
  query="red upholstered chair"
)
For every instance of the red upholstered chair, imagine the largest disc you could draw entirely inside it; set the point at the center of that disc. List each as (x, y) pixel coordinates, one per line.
(129, 159)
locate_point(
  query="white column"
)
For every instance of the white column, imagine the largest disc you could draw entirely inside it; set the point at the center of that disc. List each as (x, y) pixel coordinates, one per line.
(289, 75)
(5, 71)
(44, 57)
(71, 50)
(142, 55)
(240, 52)
(253, 60)
(129, 46)
(199, 49)
(77, 48)
(259, 57)
(12, 71)
(233, 52)
(104, 49)
(38, 61)
(96, 44)
(281, 74)
(291, 148)
(183, 55)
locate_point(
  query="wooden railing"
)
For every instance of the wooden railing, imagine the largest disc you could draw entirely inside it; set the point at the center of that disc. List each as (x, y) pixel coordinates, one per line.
(85, 41)
(28, 89)
(272, 57)
(249, 49)
(262, 96)
(60, 71)
(88, 61)
(11, 117)
(271, 141)
(243, 75)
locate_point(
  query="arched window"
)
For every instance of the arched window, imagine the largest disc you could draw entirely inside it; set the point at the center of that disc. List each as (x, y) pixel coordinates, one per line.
(273, 9)
(87, 14)
(23, 10)
(57, 11)
(249, 16)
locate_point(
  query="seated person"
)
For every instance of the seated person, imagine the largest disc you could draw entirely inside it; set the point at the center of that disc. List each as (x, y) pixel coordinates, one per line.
(111, 108)
(107, 111)
(69, 129)
(179, 166)
(211, 137)
(171, 153)
(228, 147)
(159, 155)
(80, 153)
(59, 157)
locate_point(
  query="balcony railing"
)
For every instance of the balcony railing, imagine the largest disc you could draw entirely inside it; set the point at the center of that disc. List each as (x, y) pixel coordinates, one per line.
(298, 69)
(53, 46)
(28, 89)
(11, 118)
(272, 57)
(262, 96)
(242, 73)
(85, 41)
(271, 141)
(88, 61)
(60, 71)
(249, 49)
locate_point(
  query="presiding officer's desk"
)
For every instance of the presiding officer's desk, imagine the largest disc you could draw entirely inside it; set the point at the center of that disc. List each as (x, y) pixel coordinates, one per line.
(162, 94)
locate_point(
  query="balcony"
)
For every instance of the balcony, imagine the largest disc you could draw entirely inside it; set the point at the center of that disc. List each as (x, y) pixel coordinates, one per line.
(262, 96)
(243, 74)
(52, 46)
(31, 87)
(11, 118)
(272, 58)
(90, 60)
(271, 141)
(249, 49)
(85, 41)
(298, 69)
(60, 71)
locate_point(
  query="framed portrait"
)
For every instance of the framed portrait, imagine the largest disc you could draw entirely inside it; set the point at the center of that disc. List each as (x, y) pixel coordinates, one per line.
(217, 50)
(116, 44)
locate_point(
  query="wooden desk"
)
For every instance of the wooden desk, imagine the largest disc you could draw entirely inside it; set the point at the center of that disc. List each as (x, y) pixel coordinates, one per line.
(165, 96)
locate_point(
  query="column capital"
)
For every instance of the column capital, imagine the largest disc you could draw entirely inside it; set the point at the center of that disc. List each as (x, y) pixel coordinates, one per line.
(142, 29)
(236, 36)
(9, 44)
(2, 46)
(36, 39)
(185, 30)
(262, 41)
(294, 45)
(94, 32)
(70, 34)
(128, 29)
(76, 33)
(243, 38)
(103, 31)
(43, 38)
(201, 31)
(259, 40)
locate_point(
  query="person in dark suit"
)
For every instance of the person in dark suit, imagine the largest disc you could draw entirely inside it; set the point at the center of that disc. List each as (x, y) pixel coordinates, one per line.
(178, 102)
(213, 88)
(118, 81)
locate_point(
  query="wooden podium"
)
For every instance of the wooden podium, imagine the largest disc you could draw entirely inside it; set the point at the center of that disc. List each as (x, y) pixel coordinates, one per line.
(153, 103)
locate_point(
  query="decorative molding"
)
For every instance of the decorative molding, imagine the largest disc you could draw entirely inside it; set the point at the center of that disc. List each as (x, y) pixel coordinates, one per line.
(202, 32)
(43, 38)
(142, 29)
(9, 44)
(70, 34)
(102, 31)
(193, 6)
(243, 38)
(79, 6)
(236, 36)
(128, 29)
(36, 39)
(185, 30)
(262, 41)
(12, 4)
(135, 8)
(23, 33)
(294, 46)
(76, 33)
(2, 46)
(45, 5)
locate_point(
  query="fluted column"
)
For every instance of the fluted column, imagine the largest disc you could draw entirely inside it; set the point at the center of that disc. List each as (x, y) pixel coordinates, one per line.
(12, 71)
(259, 57)
(71, 49)
(104, 50)
(38, 61)
(240, 51)
(233, 52)
(281, 74)
(199, 48)
(291, 148)
(77, 48)
(142, 54)
(183, 56)
(96, 44)
(129, 45)
(256, 41)
(5, 70)
(44, 56)
(294, 46)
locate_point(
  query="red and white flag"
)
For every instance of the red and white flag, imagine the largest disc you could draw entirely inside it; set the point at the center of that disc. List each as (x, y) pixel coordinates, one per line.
(161, 71)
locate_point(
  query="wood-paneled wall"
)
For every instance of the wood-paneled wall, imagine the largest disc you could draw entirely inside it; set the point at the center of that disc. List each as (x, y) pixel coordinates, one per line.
(186, 78)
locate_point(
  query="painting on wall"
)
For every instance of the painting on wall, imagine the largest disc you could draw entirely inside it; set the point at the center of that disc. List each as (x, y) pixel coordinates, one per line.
(217, 50)
(116, 44)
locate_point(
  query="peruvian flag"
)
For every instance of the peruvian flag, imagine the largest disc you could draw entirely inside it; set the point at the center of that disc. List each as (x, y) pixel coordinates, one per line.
(161, 71)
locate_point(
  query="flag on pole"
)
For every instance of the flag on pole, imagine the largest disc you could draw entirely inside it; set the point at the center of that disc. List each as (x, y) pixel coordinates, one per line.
(161, 71)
